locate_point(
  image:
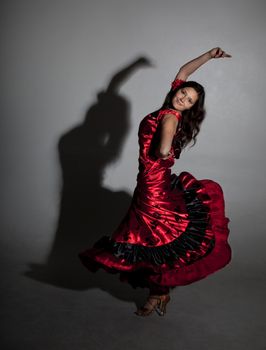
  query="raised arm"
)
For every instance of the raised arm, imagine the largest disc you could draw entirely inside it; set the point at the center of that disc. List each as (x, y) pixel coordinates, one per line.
(170, 122)
(187, 69)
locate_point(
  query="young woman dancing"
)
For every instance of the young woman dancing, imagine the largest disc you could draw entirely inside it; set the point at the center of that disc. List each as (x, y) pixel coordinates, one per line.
(175, 231)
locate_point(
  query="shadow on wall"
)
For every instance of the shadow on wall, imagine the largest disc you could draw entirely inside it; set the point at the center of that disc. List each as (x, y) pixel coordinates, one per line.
(87, 209)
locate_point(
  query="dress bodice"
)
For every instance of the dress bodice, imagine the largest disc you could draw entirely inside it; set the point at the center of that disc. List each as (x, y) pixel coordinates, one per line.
(149, 136)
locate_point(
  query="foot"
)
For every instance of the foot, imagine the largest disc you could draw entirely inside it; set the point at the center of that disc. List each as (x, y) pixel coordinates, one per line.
(154, 302)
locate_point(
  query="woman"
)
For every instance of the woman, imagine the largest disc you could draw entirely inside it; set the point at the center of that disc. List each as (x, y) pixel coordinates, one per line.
(175, 231)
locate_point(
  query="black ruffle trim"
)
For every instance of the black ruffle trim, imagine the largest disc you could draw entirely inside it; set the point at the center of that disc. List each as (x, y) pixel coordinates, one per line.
(189, 241)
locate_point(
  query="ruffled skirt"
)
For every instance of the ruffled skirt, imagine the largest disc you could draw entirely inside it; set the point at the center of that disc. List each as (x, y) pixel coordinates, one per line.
(200, 250)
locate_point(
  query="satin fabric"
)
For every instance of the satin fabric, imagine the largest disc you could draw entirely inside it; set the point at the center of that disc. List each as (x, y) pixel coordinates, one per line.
(175, 231)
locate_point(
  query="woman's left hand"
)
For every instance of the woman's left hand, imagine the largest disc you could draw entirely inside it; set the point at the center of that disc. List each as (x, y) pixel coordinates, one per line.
(217, 52)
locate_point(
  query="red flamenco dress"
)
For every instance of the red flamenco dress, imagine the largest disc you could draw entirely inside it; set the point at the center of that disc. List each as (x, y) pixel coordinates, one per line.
(175, 231)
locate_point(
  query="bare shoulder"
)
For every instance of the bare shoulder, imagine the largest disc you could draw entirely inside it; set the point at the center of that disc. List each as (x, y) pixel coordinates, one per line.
(170, 118)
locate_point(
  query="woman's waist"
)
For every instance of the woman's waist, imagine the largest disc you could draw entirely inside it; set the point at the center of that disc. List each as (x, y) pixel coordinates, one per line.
(154, 178)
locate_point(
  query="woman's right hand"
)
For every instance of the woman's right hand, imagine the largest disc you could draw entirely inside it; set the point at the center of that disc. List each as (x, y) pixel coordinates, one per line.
(217, 52)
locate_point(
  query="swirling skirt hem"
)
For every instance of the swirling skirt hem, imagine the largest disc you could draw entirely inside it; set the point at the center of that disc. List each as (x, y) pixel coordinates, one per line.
(144, 273)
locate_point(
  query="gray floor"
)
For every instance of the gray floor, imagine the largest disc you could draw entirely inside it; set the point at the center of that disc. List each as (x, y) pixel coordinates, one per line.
(45, 311)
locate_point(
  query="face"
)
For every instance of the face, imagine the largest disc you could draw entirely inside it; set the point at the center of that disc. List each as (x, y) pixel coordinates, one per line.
(184, 99)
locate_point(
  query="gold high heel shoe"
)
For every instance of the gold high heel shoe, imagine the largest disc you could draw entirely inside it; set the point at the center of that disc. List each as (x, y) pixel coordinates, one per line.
(159, 306)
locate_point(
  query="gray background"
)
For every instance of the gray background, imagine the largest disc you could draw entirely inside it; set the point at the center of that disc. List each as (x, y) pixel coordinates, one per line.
(72, 97)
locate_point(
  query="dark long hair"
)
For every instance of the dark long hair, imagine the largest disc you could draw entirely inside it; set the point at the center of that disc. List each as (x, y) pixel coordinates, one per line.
(191, 118)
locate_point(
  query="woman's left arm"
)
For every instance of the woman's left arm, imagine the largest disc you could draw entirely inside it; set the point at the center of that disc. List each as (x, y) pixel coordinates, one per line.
(187, 69)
